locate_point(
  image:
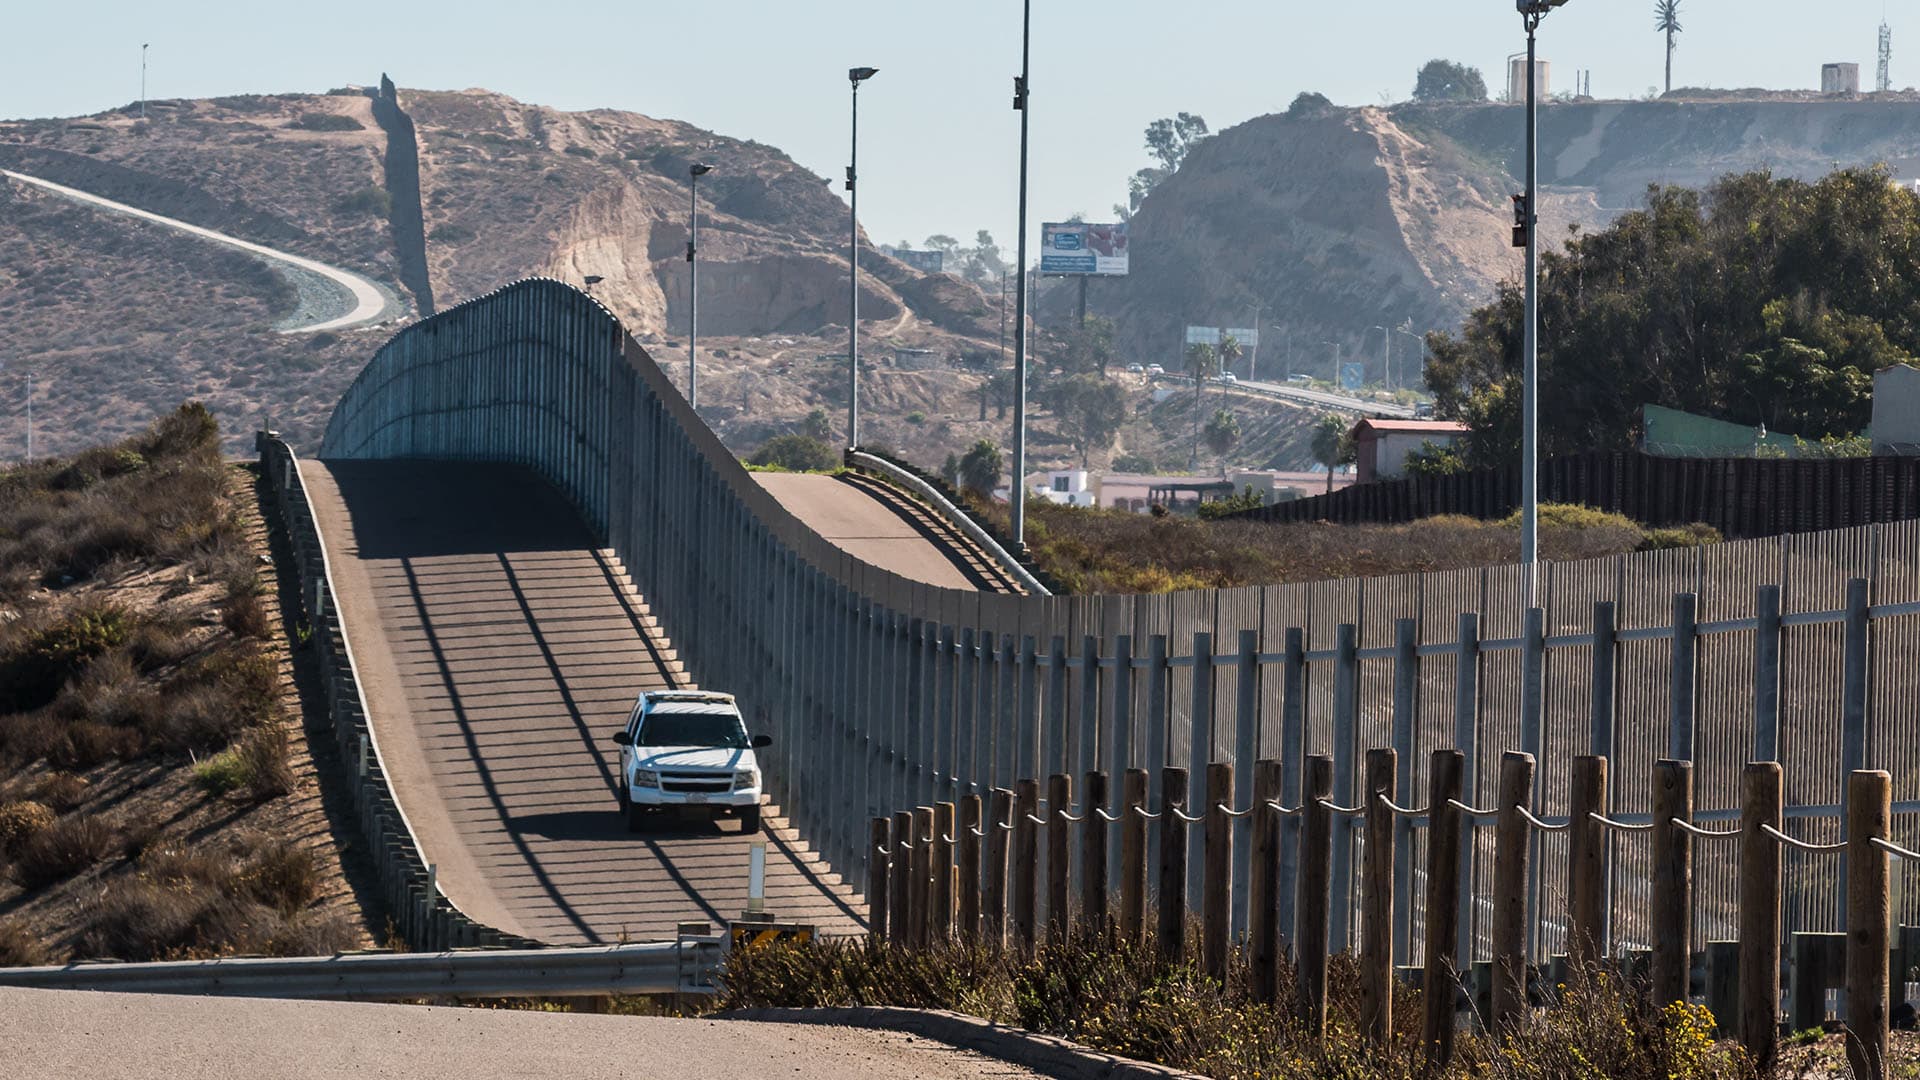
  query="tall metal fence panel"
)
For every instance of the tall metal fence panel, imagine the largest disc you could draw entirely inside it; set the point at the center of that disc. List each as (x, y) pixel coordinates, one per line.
(882, 692)
(1741, 497)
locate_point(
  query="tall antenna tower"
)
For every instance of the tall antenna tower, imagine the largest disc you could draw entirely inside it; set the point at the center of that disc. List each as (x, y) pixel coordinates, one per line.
(1885, 81)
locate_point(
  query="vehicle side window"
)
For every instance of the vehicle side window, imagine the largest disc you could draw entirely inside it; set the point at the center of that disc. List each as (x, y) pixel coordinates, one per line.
(633, 719)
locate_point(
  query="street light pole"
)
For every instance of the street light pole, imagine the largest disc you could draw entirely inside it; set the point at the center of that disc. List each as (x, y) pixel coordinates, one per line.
(1017, 491)
(1531, 12)
(1386, 341)
(855, 76)
(694, 173)
(143, 80)
(1422, 344)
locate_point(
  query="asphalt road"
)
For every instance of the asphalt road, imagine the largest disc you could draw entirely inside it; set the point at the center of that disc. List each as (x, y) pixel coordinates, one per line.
(80, 1035)
(499, 651)
(864, 527)
(1333, 401)
(369, 303)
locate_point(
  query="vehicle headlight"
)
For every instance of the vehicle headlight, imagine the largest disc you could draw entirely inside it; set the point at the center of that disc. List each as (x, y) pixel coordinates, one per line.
(645, 778)
(746, 778)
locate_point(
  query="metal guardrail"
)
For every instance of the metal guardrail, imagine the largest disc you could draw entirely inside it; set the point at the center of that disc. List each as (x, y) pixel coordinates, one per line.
(955, 517)
(684, 967)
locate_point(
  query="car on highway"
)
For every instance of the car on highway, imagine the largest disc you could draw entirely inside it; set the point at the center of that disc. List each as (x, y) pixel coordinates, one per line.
(1156, 369)
(1299, 379)
(688, 751)
(1135, 369)
(1424, 410)
(1225, 378)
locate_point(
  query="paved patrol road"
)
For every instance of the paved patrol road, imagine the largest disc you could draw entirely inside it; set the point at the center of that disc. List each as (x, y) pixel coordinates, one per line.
(864, 527)
(499, 651)
(86, 1035)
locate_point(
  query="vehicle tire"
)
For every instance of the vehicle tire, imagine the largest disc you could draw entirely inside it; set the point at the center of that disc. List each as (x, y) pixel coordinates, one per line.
(636, 818)
(750, 821)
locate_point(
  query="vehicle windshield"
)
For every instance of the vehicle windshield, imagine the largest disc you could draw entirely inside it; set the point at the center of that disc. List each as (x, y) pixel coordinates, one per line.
(703, 729)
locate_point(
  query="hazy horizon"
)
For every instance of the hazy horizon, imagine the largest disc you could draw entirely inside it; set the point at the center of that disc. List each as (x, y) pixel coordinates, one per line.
(939, 140)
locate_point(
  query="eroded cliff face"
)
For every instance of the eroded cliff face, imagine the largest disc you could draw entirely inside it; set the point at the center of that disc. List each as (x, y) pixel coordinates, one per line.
(1337, 225)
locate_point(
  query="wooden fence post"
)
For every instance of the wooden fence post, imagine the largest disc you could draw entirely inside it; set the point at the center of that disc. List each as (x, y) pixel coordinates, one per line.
(920, 888)
(1587, 862)
(1512, 838)
(1173, 865)
(1216, 895)
(900, 870)
(879, 856)
(1310, 929)
(1263, 891)
(1869, 818)
(993, 888)
(1671, 910)
(1093, 853)
(1059, 856)
(1026, 856)
(940, 919)
(1440, 985)
(1133, 854)
(1377, 921)
(966, 900)
(1761, 804)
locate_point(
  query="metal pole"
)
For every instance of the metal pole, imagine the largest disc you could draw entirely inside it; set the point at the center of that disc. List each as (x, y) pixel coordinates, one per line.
(1530, 400)
(29, 417)
(693, 288)
(143, 81)
(855, 76)
(1017, 490)
(1386, 339)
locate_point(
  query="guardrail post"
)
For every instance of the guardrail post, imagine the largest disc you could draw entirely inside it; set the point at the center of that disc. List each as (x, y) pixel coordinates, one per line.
(1377, 923)
(1587, 862)
(1869, 818)
(1133, 855)
(942, 915)
(1441, 983)
(1512, 839)
(879, 850)
(1246, 731)
(1172, 930)
(1026, 856)
(1199, 743)
(1216, 897)
(993, 888)
(900, 878)
(920, 888)
(1059, 857)
(1093, 853)
(1263, 891)
(1671, 910)
(1406, 721)
(1310, 930)
(1346, 746)
(968, 914)
(1761, 798)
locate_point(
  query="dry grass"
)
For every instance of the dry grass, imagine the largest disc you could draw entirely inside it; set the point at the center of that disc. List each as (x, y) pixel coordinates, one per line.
(1113, 551)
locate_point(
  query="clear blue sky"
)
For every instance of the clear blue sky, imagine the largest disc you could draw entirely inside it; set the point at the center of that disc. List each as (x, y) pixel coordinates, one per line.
(938, 135)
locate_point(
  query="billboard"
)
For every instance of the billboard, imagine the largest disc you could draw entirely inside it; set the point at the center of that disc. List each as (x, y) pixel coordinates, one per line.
(1353, 375)
(1203, 335)
(1246, 336)
(1075, 247)
(927, 262)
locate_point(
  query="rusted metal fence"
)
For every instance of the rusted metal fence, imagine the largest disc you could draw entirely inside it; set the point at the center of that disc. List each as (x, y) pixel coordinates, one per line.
(883, 692)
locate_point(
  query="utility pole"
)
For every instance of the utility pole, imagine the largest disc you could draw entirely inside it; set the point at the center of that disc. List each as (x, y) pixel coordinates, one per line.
(29, 417)
(856, 76)
(1386, 340)
(1253, 347)
(1017, 491)
(694, 173)
(143, 80)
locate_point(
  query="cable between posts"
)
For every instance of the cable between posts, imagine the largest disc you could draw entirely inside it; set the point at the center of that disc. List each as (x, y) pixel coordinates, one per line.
(1802, 844)
(1231, 812)
(1527, 816)
(1184, 816)
(1285, 811)
(1344, 811)
(1402, 811)
(1896, 850)
(1473, 811)
(1142, 811)
(1705, 834)
(1620, 826)
(1104, 816)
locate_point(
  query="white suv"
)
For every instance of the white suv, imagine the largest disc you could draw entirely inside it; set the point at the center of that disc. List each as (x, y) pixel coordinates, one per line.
(689, 749)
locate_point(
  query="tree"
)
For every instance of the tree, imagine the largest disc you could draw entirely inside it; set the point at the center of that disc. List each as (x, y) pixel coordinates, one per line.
(1230, 352)
(1332, 444)
(1082, 347)
(1445, 80)
(942, 243)
(1089, 410)
(817, 426)
(1222, 434)
(1757, 301)
(795, 453)
(1203, 364)
(982, 262)
(1308, 105)
(1666, 20)
(980, 468)
(1169, 140)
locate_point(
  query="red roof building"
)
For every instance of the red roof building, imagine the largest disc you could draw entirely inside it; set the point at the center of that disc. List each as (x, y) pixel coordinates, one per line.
(1381, 446)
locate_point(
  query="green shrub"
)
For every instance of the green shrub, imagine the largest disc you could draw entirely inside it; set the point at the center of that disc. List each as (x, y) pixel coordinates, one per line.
(581, 151)
(67, 847)
(33, 671)
(916, 418)
(19, 948)
(223, 773)
(22, 821)
(326, 121)
(795, 453)
(1573, 516)
(451, 233)
(1681, 536)
(366, 202)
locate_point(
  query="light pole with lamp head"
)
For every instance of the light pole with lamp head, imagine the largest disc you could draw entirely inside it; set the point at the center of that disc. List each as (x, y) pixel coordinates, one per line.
(694, 173)
(1336, 362)
(1386, 348)
(143, 80)
(855, 76)
(1420, 343)
(1527, 222)
(1017, 490)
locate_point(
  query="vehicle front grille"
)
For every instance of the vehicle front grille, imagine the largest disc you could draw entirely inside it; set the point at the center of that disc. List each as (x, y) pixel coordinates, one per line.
(696, 783)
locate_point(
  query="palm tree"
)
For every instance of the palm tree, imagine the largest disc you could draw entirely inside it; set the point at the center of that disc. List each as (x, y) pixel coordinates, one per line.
(1666, 19)
(1203, 364)
(1230, 352)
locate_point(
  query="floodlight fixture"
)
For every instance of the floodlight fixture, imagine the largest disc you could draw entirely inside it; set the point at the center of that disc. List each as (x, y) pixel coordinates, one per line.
(862, 74)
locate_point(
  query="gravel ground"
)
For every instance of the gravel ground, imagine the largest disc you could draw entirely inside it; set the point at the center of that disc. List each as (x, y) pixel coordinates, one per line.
(77, 1035)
